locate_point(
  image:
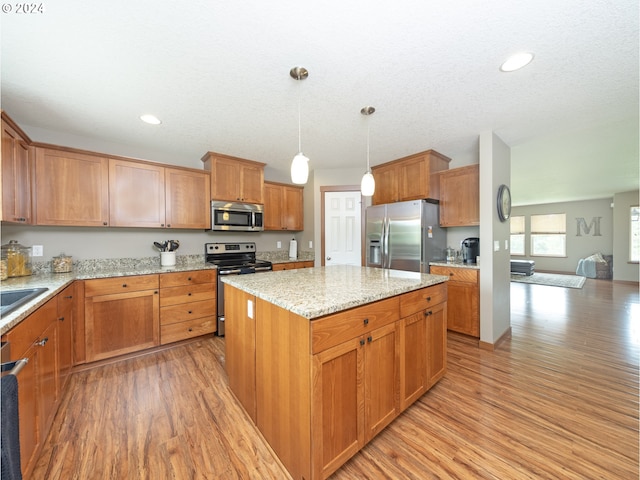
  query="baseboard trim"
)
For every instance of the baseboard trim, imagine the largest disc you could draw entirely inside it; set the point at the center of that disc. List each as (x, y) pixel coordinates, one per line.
(492, 346)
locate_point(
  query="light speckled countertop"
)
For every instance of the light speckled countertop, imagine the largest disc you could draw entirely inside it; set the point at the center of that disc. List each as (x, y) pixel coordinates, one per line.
(56, 282)
(316, 292)
(472, 266)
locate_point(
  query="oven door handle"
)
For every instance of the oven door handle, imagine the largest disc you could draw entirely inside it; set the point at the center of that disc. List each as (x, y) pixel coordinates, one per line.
(263, 269)
(229, 272)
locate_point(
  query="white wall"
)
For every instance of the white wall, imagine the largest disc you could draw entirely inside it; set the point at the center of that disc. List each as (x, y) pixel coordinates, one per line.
(580, 243)
(495, 169)
(622, 269)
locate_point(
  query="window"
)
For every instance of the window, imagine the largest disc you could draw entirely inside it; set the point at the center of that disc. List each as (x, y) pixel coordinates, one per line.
(517, 235)
(634, 241)
(549, 235)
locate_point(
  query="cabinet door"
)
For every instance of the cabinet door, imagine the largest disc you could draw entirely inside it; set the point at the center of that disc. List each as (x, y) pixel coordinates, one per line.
(436, 343)
(136, 194)
(338, 426)
(413, 179)
(121, 323)
(71, 188)
(460, 197)
(292, 216)
(187, 199)
(48, 375)
(382, 379)
(463, 308)
(66, 304)
(386, 185)
(273, 201)
(28, 409)
(251, 184)
(226, 180)
(413, 362)
(16, 176)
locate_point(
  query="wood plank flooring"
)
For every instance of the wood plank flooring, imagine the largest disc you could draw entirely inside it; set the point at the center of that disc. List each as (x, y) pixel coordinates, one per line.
(557, 400)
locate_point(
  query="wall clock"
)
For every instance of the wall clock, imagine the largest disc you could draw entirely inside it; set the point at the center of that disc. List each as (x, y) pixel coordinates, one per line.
(504, 203)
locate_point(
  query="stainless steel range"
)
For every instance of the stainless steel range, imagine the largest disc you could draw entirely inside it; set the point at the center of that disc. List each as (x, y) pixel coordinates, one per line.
(232, 259)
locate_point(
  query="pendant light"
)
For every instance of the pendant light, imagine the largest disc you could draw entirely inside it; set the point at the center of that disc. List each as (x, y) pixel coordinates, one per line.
(368, 183)
(300, 163)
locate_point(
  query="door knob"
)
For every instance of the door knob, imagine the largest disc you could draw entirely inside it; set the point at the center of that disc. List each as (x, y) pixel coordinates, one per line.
(328, 258)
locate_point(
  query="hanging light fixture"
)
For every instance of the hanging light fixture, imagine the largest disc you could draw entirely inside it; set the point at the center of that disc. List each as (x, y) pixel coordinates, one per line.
(300, 163)
(368, 183)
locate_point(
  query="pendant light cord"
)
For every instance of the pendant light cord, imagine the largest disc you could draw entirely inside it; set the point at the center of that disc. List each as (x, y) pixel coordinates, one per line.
(368, 168)
(299, 122)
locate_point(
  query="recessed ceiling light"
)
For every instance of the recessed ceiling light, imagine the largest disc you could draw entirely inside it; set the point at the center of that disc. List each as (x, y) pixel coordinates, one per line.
(151, 119)
(517, 61)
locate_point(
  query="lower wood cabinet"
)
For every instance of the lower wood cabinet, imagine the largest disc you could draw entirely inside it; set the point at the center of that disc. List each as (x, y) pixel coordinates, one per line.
(320, 389)
(292, 265)
(463, 308)
(66, 316)
(121, 315)
(187, 305)
(36, 338)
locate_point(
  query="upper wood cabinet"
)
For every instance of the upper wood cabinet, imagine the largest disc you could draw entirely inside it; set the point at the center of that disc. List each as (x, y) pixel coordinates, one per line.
(72, 188)
(409, 178)
(16, 174)
(171, 197)
(283, 207)
(235, 179)
(460, 196)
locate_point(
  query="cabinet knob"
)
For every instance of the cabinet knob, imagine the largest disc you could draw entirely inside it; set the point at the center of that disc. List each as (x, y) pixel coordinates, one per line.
(369, 339)
(61, 319)
(124, 285)
(168, 225)
(189, 294)
(366, 321)
(451, 274)
(104, 223)
(190, 329)
(427, 313)
(189, 278)
(361, 342)
(428, 299)
(69, 297)
(42, 342)
(162, 224)
(190, 312)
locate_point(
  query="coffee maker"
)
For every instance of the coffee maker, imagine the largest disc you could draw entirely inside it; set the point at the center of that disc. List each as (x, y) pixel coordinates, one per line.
(470, 249)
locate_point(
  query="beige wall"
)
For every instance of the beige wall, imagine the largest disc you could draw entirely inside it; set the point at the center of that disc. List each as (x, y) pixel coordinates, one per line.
(580, 244)
(622, 269)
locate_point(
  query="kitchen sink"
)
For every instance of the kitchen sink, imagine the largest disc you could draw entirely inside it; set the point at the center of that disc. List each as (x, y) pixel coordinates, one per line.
(13, 299)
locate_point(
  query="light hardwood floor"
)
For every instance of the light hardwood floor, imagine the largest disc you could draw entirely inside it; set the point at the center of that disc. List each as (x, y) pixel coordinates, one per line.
(557, 400)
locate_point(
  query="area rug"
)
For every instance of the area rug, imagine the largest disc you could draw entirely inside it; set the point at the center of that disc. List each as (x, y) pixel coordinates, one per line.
(550, 279)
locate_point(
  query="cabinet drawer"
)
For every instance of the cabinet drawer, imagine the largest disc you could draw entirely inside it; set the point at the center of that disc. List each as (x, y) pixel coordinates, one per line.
(189, 329)
(108, 286)
(187, 311)
(187, 278)
(187, 294)
(23, 336)
(469, 275)
(333, 330)
(418, 300)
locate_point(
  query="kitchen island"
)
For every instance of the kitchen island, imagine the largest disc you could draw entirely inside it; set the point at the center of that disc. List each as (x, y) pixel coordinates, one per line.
(322, 359)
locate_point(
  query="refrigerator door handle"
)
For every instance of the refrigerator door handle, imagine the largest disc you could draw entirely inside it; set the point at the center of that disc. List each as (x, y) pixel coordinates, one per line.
(385, 243)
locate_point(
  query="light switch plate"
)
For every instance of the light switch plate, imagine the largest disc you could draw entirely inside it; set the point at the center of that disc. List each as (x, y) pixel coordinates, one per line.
(506, 244)
(278, 244)
(496, 245)
(310, 243)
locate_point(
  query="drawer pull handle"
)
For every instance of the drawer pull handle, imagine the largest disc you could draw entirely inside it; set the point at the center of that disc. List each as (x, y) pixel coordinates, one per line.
(189, 278)
(189, 312)
(451, 274)
(61, 319)
(361, 342)
(69, 297)
(369, 339)
(428, 299)
(190, 329)
(366, 321)
(189, 294)
(124, 285)
(427, 313)
(43, 342)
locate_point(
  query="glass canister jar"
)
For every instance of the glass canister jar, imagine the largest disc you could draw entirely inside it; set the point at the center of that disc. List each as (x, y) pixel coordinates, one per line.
(18, 259)
(61, 264)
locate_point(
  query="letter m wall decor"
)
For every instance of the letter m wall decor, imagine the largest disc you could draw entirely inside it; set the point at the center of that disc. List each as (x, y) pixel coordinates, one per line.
(581, 225)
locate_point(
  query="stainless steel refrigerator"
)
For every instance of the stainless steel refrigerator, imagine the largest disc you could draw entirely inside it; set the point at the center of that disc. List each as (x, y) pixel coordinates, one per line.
(404, 235)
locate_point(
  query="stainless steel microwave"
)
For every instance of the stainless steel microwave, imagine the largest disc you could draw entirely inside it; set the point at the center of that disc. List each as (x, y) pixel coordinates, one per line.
(236, 217)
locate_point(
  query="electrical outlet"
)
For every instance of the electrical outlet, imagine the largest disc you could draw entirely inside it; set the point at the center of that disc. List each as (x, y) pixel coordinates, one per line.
(37, 250)
(506, 244)
(496, 245)
(310, 243)
(278, 244)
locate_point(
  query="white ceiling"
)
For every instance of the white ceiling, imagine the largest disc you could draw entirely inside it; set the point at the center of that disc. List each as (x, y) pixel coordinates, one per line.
(217, 74)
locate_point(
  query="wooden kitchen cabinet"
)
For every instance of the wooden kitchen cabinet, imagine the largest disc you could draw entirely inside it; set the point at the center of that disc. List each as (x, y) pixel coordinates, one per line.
(423, 340)
(72, 188)
(292, 265)
(66, 315)
(460, 196)
(283, 207)
(16, 171)
(463, 307)
(35, 338)
(121, 315)
(235, 179)
(410, 178)
(187, 305)
(171, 197)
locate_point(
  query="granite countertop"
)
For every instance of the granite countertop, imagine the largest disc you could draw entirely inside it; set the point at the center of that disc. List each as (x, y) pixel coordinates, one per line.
(473, 266)
(316, 292)
(56, 282)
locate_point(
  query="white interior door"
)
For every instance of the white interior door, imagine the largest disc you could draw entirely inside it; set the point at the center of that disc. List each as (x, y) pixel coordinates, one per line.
(342, 228)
